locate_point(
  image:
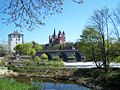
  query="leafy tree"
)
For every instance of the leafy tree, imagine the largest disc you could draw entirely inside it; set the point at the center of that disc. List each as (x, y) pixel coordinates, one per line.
(56, 47)
(19, 48)
(27, 48)
(88, 44)
(36, 46)
(100, 20)
(32, 52)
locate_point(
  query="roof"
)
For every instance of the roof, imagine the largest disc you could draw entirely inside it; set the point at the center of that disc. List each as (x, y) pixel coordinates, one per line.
(15, 33)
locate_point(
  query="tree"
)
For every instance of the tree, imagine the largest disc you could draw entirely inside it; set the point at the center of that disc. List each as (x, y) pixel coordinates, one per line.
(30, 13)
(88, 44)
(19, 48)
(37, 46)
(32, 52)
(27, 48)
(100, 20)
(115, 19)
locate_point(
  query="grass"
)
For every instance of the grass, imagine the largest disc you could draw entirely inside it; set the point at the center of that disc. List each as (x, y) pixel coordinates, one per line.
(6, 84)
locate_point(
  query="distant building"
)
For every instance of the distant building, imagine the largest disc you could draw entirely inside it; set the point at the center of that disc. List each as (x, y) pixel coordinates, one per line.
(57, 39)
(14, 39)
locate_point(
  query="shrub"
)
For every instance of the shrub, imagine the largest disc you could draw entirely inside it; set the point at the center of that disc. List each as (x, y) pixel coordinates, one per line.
(36, 58)
(44, 56)
(61, 63)
(56, 58)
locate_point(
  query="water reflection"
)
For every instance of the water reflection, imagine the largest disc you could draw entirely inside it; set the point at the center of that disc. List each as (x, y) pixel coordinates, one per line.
(59, 86)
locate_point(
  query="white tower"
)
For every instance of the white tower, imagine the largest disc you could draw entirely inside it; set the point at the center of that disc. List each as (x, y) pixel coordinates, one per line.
(14, 39)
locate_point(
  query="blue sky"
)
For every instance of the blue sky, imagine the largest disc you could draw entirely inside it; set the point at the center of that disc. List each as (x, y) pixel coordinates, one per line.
(73, 20)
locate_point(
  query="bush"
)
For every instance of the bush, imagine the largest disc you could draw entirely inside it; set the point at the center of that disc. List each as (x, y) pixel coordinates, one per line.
(56, 58)
(36, 58)
(11, 67)
(44, 56)
(61, 63)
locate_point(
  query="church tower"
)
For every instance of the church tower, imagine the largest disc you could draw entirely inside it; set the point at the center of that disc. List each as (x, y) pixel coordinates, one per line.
(57, 39)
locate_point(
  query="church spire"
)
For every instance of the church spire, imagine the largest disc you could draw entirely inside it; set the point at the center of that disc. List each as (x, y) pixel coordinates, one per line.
(54, 34)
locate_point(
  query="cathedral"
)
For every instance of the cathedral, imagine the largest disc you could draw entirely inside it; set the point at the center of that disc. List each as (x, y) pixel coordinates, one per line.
(57, 39)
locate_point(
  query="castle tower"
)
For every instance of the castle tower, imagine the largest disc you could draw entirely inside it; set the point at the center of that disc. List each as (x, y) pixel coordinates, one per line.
(14, 39)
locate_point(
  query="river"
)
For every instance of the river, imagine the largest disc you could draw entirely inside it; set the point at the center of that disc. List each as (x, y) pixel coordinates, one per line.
(52, 84)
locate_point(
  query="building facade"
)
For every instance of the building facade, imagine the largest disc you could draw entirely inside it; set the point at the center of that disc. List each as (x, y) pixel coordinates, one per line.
(14, 39)
(57, 39)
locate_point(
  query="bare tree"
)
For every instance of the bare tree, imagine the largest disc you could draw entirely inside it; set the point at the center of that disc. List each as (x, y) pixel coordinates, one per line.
(115, 19)
(100, 20)
(29, 13)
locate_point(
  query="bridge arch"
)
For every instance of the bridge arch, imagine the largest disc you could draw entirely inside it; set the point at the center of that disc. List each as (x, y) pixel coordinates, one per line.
(77, 56)
(63, 56)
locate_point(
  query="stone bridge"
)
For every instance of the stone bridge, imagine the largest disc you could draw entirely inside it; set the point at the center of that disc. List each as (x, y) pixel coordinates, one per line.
(64, 54)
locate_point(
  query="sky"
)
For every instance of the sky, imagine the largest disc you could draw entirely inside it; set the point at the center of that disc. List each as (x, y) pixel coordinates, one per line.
(72, 21)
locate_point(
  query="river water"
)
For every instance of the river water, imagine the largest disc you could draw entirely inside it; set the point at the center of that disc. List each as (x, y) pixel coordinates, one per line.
(48, 84)
(60, 86)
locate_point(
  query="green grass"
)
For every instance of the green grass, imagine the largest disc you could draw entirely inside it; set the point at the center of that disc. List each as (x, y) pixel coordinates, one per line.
(6, 84)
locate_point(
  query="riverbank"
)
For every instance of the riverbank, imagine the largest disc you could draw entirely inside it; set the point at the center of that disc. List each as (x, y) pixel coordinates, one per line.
(93, 78)
(11, 84)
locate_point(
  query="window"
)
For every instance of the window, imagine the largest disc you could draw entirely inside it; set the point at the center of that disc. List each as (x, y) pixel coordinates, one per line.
(19, 39)
(11, 39)
(16, 39)
(16, 42)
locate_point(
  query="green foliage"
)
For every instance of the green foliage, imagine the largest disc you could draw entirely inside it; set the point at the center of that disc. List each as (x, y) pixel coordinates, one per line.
(19, 48)
(36, 46)
(14, 85)
(32, 52)
(117, 59)
(36, 65)
(36, 58)
(61, 63)
(28, 48)
(44, 56)
(56, 58)
(88, 44)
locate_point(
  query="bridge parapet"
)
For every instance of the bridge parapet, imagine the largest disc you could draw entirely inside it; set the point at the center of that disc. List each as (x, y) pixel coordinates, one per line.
(62, 54)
